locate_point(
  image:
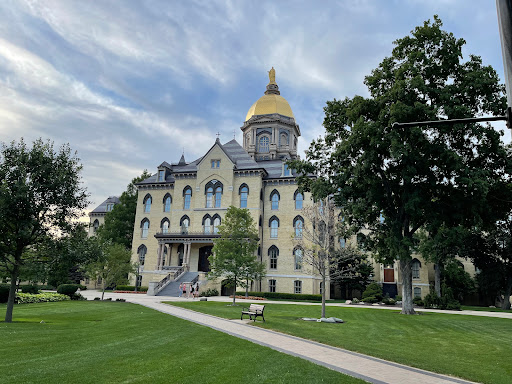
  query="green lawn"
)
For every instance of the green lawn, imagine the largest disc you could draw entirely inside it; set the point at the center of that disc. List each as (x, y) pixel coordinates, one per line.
(472, 347)
(110, 342)
(486, 309)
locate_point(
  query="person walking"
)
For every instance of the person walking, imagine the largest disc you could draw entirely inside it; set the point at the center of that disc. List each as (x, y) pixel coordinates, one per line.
(184, 289)
(180, 290)
(196, 289)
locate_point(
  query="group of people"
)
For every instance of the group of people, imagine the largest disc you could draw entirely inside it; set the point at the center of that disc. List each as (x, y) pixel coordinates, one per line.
(186, 290)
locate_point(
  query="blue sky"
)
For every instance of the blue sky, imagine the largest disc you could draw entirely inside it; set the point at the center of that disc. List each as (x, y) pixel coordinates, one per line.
(129, 84)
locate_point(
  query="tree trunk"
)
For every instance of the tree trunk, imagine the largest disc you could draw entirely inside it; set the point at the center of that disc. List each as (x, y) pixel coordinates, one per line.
(406, 272)
(508, 288)
(12, 293)
(323, 295)
(246, 288)
(103, 286)
(437, 278)
(234, 293)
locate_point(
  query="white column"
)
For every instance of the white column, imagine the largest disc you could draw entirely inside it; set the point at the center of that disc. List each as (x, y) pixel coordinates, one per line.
(188, 256)
(159, 257)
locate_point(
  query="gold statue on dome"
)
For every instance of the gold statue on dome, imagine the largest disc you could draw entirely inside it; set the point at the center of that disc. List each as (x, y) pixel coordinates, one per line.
(272, 76)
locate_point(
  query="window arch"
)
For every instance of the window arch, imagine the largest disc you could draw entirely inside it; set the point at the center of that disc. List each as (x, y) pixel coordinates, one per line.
(216, 223)
(299, 199)
(273, 223)
(147, 203)
(141, 252)
(297, 257)
(184, 224)
(187, 197)
(243, 191)
(274, 198)
(144, 224)
(273, 254)
(95, 225)
(298, 224)
(167, 202)
(415, 266)
(207, 224)
(417, 292)
(264, 144)
(164, 225)
(213, 191)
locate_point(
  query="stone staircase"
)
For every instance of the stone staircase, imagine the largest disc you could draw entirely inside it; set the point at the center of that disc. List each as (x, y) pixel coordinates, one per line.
(172, 288)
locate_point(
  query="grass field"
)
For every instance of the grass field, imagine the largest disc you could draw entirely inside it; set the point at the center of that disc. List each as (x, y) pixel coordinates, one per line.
(470, 347)
(109, 342)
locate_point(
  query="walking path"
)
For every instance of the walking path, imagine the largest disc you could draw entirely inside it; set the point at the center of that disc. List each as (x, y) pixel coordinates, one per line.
(368, 368)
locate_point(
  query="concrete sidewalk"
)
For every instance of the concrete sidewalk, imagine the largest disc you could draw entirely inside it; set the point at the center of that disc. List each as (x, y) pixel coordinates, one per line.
(368, 368)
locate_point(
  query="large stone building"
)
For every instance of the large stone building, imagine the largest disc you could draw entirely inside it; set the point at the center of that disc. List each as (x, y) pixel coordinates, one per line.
(97, 215)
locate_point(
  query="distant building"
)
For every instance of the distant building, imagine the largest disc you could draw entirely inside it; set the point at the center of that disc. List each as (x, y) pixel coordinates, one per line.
(97, 216)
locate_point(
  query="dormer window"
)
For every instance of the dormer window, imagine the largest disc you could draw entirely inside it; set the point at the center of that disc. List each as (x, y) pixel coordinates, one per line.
(286, 170)
(215, 163)
(110, 206)
(161, 175)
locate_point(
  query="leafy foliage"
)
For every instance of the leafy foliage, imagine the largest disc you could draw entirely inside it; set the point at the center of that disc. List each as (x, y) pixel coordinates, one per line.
(350, 269)
(374, 291)
(67, 289)
(26, 298)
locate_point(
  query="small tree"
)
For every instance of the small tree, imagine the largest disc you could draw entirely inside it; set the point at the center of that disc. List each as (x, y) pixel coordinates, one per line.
(350, 269)
(113, 266)
(40, 195)
(233, 256)
(317, 240)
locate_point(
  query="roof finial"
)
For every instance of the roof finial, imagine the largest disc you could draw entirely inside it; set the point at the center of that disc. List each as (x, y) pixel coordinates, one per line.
(218, 137)
(234, 134)
(272, 76)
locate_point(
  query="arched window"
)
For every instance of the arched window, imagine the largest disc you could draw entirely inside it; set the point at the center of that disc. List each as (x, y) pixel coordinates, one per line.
(209, 197)
(145, 228)
(273, 253)
(299, 198)
(263, 144)
(416, 265)
(147, 203)
(218, 196)
(207, 224)
(141, 251)
(297, 256)
(187, 196)
(216, 223)
(271, 285)
(298, 224)
(244, 192)
(417, 292)
(95, 225)
(274, 198)
(184, 224)
(165, 225)
(167, 203)
(273, 223)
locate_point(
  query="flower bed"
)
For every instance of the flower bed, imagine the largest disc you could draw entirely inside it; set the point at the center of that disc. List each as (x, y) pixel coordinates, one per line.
(249, 297)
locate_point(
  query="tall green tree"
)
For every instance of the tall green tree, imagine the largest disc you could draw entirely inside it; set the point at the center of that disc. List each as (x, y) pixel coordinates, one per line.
(412, 177)
(41, 194)
(350, 270)
(233, 258)
(118, 225)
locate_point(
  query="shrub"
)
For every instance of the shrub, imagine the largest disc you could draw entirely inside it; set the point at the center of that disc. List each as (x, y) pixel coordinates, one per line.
(67, 289)
(4, 293)
(130, 288)
(355, 300)
(388, 301)
(432, 300)
(398, 298)
(121, 300)
(418, 301)
(29, 289)
(447, 301)
(25, 298)
(370, 299)
(284, 296)
(77, 296)
(210, 292)
(373, 290)
(82, 287)
(109, 299)
(97, 298)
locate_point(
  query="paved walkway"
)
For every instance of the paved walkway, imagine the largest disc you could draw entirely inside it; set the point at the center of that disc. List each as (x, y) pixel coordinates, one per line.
(368, 368)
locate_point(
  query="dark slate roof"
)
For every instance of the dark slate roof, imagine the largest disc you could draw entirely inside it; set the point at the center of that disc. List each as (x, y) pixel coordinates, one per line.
(102, 208)
(165, 164)
(239, 156)
(153, 179)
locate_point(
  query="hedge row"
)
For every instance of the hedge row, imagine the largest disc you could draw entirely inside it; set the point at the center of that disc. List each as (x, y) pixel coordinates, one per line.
(24, 298)
(130, 288)
(281, 295)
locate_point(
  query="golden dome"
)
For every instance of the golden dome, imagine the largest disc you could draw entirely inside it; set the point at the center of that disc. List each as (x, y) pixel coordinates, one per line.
(269, 104)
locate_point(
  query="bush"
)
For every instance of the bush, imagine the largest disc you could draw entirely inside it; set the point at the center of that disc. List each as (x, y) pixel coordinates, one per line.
(418, 301)
(25, 298)
(373, 290)
(30, 289)
(4, 293)
(47, 287)
(97, 299)
(388, 301)
(447, 300)
(77, 296)
(130, 288)
(121, 300)
(398, 298)
(370, 299)
(355, 300)
(284, 296)
(68, 289)
(82, 287)
(210, 292)
(432, 300)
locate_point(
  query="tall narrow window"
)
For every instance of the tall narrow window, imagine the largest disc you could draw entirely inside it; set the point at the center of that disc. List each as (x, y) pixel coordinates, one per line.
(141, 251)
(272, 285)
(297, 286)
(216, 223)
(145, 228)
(167, 203)
(297, 255)
(298, 224)
(187, 196)
(209, 197)
(274, 225)
(416, 265)
(299, 198)
(417, 292)
(161, 175)
(207, 223)
(218, 196)
(274, 199)
(95, 225)
(165, 226)
(244, 192)
(286, 170)
(273, 253)
(184, 224)
(264, 144)
(147, 203)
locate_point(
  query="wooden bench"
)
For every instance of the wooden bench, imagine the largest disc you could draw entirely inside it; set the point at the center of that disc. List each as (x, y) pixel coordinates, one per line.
(253, 311)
